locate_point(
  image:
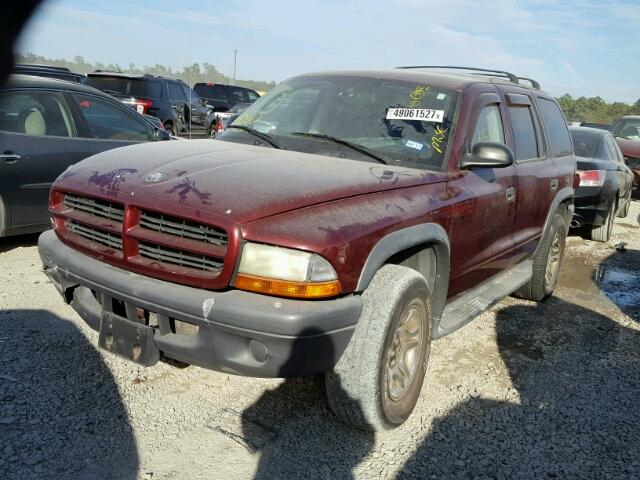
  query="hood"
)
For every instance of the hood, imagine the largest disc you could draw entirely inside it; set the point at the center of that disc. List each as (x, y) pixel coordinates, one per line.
(630, 148)
(241, 182)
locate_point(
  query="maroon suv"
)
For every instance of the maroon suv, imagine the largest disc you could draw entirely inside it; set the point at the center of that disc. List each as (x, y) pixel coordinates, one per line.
(341, 224)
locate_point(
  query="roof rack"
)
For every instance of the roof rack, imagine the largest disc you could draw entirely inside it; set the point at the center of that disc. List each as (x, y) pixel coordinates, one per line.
(38, 66)
(481, 71)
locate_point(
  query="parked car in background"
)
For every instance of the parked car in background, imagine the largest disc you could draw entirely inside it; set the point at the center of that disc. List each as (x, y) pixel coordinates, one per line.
(605, 182)
(49, 71)
(181, 111)
(224, 97)
(627, 133)
(337, 227)
(224, 119)
(47, 125)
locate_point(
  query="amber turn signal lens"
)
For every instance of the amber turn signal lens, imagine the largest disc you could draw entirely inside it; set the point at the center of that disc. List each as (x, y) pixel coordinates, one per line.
(284, 288)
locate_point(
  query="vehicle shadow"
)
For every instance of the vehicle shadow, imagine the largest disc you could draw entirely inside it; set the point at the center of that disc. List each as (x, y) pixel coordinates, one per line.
(61, 415)
(307, 440)
(9, 243)
(577, 378)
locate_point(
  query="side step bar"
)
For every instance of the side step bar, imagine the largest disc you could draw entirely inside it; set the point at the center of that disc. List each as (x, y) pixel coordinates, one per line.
(466, 306)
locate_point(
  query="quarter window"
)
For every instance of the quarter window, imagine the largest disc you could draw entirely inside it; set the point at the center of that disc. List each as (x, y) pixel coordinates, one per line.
(559, 140)
(111, 122)
(489, 126)
(524, 133)
(36, 114)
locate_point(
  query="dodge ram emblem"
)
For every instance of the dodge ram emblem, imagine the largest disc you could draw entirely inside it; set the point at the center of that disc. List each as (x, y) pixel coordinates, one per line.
(154, 177)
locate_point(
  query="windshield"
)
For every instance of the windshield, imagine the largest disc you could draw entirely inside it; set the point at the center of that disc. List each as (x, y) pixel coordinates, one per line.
(404, 123)
(125, 86)
(627, 128)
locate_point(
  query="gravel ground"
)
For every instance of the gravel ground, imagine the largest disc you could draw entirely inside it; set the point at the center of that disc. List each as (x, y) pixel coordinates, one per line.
(525, 391)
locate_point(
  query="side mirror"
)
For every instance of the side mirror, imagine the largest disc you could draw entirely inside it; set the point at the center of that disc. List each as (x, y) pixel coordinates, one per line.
(161, 134)
(488, 155)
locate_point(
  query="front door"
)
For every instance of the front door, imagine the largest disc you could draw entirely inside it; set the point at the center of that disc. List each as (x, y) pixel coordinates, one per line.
(483, 205)
(38, 141)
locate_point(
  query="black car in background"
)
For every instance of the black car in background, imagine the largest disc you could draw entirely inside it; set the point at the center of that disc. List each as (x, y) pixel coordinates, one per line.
(180, 109)
(46, 125)
(224, 97)
(605, 182)
(49, 71)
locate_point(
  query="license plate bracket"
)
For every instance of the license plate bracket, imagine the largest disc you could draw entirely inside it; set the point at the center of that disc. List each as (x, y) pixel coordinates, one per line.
(133, 341)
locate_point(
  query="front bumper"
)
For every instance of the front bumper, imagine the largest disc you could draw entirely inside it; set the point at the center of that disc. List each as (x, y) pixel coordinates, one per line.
(237, 332)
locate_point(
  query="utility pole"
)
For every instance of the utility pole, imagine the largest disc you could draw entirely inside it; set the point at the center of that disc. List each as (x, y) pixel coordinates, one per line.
(235, 61)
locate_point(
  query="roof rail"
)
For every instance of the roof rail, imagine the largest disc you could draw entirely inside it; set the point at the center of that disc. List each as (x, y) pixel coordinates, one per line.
(40, 67)
(533, 82)
(512, 78)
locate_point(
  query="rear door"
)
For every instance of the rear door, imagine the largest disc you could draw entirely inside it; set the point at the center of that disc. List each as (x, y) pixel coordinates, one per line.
(538, 181)
(108, 124)
(39, 139)
(485, 204)
(196, 107)
(180, 103)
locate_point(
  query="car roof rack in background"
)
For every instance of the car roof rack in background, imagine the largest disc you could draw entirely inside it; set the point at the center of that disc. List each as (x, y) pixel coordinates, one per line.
(480, 71)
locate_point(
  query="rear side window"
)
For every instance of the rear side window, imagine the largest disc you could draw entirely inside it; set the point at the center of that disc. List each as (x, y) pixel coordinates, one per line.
(175, 92)
(253, 96)
(559, 140)
(489, 126)
(130, 87)
(214, 92)
(36, 114)
(239, 95)
(524, 133)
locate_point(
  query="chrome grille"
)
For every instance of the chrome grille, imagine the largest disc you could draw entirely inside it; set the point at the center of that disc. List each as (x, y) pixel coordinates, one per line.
(101, 208)
(183, 228)
(95, 235)
(179, 257)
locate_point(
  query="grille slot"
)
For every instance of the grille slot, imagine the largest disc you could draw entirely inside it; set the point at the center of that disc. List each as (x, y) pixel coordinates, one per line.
(179, 257)
(95, 235)
(100, 208)
(183, 228)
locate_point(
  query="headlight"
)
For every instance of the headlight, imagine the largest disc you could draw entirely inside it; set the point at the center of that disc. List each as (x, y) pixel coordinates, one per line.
(286, 272)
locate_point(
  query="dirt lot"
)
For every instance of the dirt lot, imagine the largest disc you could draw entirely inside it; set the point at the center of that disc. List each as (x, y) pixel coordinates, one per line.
(527, 390)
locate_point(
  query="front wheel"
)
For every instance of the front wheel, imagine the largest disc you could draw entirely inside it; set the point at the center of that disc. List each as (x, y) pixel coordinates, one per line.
(377, 381)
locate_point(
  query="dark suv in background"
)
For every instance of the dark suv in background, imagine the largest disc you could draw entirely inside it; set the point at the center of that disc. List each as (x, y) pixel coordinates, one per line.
(224, 97)
(180, 109)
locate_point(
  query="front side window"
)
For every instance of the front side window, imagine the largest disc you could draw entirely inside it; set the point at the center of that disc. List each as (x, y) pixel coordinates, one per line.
(108, 121)
(402, 122)
(36, 113)
(559, 140)
(524, 133)
(489, 126)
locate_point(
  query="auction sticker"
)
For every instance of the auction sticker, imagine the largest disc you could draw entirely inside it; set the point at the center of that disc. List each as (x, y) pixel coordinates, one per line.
(420, 114)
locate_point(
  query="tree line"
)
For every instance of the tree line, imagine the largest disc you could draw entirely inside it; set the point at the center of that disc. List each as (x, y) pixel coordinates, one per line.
(581, 109)
(190, 74)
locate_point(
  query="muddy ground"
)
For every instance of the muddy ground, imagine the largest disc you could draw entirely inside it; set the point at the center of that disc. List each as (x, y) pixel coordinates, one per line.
(527, 390)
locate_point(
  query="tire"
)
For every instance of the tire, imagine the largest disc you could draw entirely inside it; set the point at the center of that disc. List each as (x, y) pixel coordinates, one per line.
(624, 211)
(396, 315)
(602, 233)
(547, 262)
(169, 127)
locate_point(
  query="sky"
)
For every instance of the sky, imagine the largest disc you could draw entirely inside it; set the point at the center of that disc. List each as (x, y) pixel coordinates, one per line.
(581, 47)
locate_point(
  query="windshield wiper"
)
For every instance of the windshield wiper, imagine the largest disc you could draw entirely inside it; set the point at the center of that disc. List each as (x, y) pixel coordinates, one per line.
(346, 143)
(256, 133)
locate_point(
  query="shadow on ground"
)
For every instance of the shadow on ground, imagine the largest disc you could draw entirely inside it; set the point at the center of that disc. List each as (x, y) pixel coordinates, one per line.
(578, 378)
(61, 415)
(9, 243)
(304, 439)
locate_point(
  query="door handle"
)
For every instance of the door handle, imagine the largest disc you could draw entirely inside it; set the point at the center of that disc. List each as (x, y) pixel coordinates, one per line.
(10, 157)
(510, 194)
(554, 184)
